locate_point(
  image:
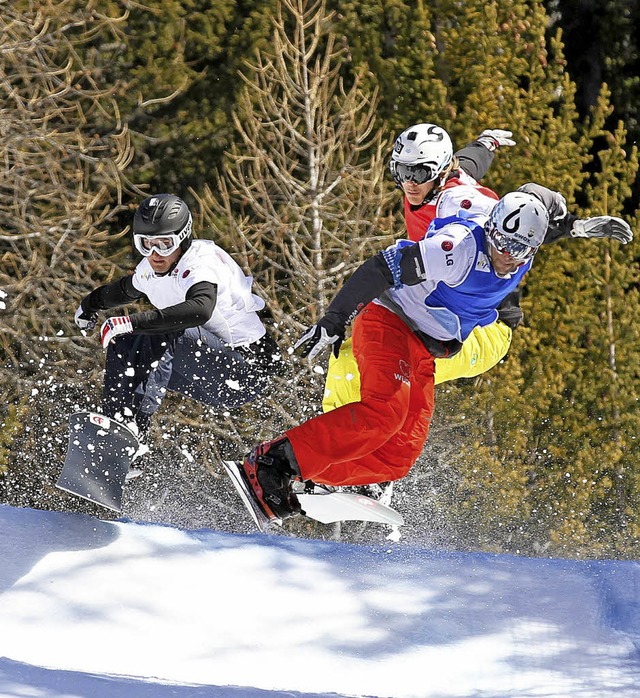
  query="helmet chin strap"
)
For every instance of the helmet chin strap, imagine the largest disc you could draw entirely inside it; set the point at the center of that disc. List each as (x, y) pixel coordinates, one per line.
(430, 196)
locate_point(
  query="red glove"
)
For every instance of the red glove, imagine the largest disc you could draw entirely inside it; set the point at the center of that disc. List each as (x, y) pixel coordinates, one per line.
(114, 327)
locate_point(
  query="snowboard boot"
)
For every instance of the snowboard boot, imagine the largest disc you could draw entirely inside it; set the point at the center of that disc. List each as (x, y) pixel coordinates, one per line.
(373, 491)
(139, 426)
(270, 468)
(138, 462)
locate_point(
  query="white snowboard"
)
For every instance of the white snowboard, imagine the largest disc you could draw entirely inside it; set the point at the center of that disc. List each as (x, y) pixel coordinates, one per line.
(325, 505)
(329, 507)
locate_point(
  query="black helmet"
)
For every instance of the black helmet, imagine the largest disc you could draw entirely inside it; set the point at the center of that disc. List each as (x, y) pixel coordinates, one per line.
(163, 214)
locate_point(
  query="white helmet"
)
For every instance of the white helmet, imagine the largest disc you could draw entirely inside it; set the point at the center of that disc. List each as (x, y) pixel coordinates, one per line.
(517, 225)
(421, 154)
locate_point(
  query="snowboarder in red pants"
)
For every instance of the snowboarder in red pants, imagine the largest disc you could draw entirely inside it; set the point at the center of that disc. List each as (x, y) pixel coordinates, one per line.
(411, 303)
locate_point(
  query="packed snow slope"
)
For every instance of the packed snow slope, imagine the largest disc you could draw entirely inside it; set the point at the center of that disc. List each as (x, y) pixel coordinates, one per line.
(95, 608)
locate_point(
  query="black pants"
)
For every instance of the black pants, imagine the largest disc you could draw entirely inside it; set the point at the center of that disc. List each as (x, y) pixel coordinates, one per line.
(140, 368)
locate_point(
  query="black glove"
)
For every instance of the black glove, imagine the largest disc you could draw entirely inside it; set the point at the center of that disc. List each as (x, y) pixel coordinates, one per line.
(509, 311)
(317, 338)
(512, 317)
(602, 227)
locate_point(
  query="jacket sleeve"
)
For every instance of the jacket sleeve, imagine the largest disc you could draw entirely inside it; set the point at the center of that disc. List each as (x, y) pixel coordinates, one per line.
(395, 266)
(195, 310)
(560, 220)
(119, 292)
(475, 159)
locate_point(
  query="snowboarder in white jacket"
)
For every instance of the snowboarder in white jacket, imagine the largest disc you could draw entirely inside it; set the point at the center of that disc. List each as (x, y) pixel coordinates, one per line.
(203, 338)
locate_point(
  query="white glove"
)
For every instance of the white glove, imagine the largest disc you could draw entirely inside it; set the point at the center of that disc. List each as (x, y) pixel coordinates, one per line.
(316, 339)
(114, 327)
(3, 305)
(602, 227)
(85, 321)
(492, 139)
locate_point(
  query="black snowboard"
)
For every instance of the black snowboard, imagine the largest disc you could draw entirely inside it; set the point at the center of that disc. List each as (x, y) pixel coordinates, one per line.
(98, 457)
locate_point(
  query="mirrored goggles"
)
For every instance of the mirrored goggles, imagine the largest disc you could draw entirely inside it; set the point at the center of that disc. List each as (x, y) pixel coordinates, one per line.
(506, 245)
(419, 174)
(164, 245)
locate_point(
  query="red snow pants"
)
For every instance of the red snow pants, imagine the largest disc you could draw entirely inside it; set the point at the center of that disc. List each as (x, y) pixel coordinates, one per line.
(380, 437)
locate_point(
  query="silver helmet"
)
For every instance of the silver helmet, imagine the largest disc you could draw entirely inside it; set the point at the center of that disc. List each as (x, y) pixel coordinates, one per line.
(517, 225)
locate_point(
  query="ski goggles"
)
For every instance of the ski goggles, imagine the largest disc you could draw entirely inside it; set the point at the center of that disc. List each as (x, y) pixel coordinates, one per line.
(507, 245)
(419, 174)
(164, 245)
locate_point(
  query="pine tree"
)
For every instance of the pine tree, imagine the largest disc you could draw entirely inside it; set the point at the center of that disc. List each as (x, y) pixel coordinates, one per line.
(592, 473)
(507, 481)
(562, 423)
(177, 64)
(397, 46)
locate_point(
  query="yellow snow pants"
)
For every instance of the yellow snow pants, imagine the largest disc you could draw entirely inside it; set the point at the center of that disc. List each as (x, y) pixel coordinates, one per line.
(482, 350)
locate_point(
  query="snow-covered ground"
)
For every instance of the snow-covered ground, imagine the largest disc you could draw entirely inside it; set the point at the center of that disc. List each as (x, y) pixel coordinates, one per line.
(95, 608)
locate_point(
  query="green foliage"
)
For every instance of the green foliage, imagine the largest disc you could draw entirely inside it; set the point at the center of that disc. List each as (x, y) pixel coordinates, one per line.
(176, 63)
(602, 46)
(574, 365)
(396, 44)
